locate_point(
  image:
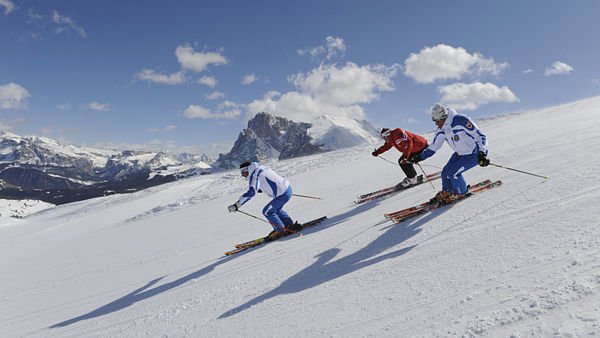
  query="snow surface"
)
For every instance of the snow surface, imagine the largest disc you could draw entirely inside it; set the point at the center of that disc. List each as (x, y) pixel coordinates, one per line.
(520, 260)
(22, 208)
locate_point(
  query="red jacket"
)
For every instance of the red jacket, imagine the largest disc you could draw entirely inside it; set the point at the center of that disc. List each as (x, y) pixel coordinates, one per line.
(405, 141)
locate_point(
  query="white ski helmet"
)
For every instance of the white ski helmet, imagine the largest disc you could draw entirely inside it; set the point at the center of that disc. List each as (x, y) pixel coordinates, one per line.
(439, 112)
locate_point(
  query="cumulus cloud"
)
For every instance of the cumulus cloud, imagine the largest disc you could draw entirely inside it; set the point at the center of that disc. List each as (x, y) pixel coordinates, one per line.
(443, 62)
(197, 61)
(8, 5)
(329, 89)
(165, 128)
(249, 79)
(474, 95)
(65, 23)
(95, 105)
(208, 81)
(558, 68)
(333, 46)
(155, 77)
(346, 85)
(13, 96)
(225, 110)
(215, 95)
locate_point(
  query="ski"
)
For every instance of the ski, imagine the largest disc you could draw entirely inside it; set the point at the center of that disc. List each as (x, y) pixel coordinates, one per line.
(260, 240)
(263, 240)
(430, 207)
(390, 190)
(426, 204)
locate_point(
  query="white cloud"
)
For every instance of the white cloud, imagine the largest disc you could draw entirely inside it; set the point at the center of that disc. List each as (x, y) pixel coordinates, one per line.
(8, 5)
(346, 85)
(443, 62)
(215, 95)
(33, 16)
(197, 61)
(64, 106)
(10, 125)
(166, 128)
(5, 127)
(473, 95)
(329, 89)
(229, 109)
(99, 106)
(152, 76)
(558, 68)
(13, 96)
(333, 46)
(208, 81)
(225, 110)
(65, 23)
(249, 79)
(527, 71)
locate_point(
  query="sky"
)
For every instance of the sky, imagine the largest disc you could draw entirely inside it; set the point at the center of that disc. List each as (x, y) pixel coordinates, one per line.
(187, 75)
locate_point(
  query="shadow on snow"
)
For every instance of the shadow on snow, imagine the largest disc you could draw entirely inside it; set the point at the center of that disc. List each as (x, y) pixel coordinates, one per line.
(321, 271)
(140, 294)
(324, 269)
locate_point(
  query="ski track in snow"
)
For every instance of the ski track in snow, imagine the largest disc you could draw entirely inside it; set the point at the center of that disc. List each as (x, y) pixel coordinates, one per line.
(520, 260)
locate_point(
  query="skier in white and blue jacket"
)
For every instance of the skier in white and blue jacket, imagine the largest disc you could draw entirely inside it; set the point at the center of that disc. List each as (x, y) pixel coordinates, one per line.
(470, 148)
(263, 179)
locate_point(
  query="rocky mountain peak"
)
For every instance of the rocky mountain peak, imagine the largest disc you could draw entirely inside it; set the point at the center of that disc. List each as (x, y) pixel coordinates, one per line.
(269, 137)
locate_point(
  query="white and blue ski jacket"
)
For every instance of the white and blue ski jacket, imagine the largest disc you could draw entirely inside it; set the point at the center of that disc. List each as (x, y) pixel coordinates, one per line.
(462, 135)
(265, 179)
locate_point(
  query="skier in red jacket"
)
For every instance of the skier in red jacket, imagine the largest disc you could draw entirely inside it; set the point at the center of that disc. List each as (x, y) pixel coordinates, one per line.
(409, 145)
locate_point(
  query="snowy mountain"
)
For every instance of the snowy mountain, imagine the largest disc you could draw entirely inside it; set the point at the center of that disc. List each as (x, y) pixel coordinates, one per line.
(42, 168)
(333, 132)
(270, 138)
(520, 260)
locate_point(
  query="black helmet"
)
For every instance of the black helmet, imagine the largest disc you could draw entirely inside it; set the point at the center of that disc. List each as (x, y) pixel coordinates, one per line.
(244, 166)
(385, 133)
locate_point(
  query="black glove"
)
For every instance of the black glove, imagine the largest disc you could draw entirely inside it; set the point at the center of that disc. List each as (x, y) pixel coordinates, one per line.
(234, 207)
(414, 158)
(482, 159)
(374, 153)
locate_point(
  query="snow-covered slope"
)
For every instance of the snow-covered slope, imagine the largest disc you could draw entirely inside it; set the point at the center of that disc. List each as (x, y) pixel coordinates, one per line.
(22, 208)
(521, 260)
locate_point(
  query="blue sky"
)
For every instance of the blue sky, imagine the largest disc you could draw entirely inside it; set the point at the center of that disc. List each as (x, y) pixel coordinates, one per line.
(187, 75)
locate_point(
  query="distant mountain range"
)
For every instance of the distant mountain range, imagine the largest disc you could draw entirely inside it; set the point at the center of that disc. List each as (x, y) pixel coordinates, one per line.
(40, 168)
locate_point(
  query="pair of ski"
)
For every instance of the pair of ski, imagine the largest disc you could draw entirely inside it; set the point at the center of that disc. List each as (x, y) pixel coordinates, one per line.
(390, 190)
(264, 240)
(408, 213)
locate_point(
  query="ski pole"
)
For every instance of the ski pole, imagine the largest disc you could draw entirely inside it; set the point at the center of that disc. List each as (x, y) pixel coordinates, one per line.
(519, 171)
(425, 177)
(247, 214)
(385, 159)
(305, 196)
